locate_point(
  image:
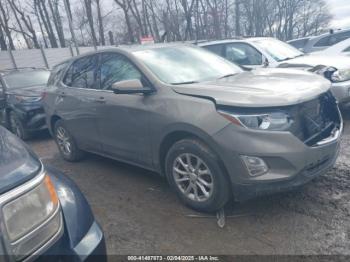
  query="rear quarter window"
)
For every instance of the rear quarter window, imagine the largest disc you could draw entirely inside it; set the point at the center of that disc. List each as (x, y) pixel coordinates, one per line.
(57, 73)
(216, 49)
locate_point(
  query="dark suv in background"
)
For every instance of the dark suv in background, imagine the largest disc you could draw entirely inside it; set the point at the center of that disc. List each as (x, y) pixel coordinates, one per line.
(43, 213)
(210, 128)
(21, 93)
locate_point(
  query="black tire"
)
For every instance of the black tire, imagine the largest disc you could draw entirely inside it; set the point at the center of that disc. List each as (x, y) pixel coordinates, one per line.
(16, 126)
(220, 193)
(74, 154)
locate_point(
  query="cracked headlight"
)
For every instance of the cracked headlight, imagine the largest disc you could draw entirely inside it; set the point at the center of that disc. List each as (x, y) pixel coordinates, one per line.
(341, 75)
(277, 121)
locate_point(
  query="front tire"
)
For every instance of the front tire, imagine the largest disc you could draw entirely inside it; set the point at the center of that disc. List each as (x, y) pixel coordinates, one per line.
(16, 126)
(66, 144)
(194, 172)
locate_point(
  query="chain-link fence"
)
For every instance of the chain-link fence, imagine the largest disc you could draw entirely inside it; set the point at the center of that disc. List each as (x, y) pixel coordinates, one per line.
(39, 57)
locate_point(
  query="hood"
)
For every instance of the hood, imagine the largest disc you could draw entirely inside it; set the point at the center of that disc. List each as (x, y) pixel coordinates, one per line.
(17, 163)
(28, 91)
(260, 88)
(337, 61)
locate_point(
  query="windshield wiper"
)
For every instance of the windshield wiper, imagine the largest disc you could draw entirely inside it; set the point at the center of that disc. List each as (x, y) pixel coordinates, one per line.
(185, 83)
(226, 76)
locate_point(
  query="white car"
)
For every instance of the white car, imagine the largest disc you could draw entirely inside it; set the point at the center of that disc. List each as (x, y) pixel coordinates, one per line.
(258, 52)
(342, 48)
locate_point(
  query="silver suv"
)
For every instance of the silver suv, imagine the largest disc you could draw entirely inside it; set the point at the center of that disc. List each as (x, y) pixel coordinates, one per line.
(211, 129)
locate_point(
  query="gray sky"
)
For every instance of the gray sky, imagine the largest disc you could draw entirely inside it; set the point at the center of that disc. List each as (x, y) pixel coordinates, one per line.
(341, 11)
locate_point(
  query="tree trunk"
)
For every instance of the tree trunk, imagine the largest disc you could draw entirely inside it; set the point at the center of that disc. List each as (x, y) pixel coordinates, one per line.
(3, 45)
(100, 23)
(47, 23)
(55, 17)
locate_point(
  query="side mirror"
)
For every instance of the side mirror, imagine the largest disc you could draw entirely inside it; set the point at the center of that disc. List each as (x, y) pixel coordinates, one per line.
(133, 86)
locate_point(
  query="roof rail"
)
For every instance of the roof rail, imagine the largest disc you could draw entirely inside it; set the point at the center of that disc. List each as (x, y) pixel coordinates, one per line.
(20, 68)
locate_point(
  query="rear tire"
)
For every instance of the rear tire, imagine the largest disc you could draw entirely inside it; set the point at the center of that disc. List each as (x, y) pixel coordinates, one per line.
(194, 172)
(16, 126)
(66, 144)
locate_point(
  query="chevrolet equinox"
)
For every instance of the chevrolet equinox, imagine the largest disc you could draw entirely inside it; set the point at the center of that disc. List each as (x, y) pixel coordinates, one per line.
(213, 130)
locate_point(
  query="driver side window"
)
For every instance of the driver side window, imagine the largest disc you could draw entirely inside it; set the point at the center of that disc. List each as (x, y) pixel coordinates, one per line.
(114, 68)
(243, 54)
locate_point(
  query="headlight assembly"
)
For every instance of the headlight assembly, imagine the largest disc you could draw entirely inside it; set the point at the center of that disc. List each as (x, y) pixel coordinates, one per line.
(341, 75)
(277, 121)
(28, 99)
(32, 218)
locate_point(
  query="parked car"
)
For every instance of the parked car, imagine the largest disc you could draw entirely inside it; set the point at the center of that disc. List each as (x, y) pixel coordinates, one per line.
(194, 117)
(321, 42)
(21, 94)
(269, 52)
(43, 213)
(342, 48)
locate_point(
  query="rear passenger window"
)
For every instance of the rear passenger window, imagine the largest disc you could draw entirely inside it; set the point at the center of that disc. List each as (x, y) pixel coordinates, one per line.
(216, 49)
(115, 68)
(82, 73)
(299, 43)
(243, 54)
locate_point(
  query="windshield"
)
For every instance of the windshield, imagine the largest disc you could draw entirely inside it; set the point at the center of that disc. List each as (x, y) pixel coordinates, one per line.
(278, 50)
(185, 64)
(26, 79)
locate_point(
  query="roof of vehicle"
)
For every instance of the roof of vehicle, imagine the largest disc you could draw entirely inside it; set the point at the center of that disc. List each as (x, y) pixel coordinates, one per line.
(298, 39)
(128, 48)
(225, 41)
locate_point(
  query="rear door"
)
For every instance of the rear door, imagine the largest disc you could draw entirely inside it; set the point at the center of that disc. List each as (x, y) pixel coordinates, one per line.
(123, 118)
(78, 102)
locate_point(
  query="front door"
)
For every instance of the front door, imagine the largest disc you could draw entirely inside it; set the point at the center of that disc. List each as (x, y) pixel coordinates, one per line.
(123, 119)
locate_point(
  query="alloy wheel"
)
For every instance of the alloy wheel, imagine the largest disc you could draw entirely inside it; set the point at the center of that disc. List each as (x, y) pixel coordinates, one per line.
(193, 177)
(63, 141)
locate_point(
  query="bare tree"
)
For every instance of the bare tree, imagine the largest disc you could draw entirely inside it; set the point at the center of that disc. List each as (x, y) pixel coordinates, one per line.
(5, 26)
(125, 6)
(90, 18)
(25, 18)
(57, 21)
(100, 23)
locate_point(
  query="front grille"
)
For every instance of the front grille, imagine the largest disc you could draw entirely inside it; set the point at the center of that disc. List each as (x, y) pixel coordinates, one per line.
(315, 120)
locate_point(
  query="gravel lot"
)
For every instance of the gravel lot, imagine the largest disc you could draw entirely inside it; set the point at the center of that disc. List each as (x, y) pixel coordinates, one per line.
(139, 214)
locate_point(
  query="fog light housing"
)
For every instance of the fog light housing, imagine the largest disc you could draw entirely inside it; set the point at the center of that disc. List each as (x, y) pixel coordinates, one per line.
(255, 165)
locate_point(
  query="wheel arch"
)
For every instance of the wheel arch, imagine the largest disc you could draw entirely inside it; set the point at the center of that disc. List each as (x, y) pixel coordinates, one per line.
(52, 123)
(174, 135)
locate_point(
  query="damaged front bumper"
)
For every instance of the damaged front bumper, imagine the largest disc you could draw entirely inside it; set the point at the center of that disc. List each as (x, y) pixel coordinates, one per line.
(293, 157)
